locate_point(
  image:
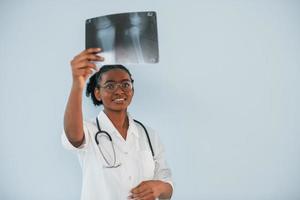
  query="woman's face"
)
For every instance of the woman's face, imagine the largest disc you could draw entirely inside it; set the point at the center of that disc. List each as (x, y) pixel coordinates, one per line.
(117, 99)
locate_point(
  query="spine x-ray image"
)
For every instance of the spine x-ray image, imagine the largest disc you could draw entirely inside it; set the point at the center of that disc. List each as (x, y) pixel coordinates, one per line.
(124, 38)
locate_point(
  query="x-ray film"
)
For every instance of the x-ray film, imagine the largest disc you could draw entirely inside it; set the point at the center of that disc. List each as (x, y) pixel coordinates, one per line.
(124, 38)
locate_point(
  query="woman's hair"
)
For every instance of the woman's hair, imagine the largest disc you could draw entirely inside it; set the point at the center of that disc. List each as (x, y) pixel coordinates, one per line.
(96, 78)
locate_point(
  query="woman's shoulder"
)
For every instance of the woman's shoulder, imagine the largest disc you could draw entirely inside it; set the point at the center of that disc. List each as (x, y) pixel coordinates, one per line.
(90, 125)
(144, 127)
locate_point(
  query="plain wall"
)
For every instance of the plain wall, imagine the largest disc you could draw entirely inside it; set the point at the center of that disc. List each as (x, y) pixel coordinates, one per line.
(224, 97)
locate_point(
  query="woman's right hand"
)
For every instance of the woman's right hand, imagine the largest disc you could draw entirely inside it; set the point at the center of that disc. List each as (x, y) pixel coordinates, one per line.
(82, 66)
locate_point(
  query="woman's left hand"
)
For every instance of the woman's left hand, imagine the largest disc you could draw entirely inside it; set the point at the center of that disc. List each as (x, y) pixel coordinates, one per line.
(146, 190)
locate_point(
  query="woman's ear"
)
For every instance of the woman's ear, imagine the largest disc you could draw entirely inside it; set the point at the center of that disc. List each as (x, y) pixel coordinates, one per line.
(97, 94)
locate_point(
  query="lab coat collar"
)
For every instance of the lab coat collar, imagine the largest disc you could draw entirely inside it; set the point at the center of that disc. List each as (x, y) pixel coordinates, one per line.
(107, 125)
(132, 126)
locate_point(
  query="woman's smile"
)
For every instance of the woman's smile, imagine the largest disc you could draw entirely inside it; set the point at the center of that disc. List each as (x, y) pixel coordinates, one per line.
(119, 100)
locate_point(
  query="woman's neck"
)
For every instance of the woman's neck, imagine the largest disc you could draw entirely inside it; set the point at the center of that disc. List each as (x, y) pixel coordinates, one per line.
(119, 120)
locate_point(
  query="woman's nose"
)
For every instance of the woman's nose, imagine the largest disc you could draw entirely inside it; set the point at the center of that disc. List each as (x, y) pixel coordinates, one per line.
(118, 89)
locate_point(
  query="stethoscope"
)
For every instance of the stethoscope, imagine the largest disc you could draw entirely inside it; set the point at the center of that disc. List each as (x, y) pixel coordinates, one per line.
(115, 165)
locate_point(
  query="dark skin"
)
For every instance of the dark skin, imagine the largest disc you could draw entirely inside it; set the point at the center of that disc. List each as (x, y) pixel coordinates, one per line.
(115, 104)
(115, 107)
(82, 68)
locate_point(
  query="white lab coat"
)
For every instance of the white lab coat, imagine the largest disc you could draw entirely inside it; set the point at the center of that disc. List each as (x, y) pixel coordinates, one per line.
(134, 155)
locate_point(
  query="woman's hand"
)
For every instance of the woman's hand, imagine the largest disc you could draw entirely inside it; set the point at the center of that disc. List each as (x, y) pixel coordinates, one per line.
(148, 190)
(82, 66)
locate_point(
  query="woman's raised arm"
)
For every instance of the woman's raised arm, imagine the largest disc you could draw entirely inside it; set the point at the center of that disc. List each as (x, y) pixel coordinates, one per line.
(82, 67)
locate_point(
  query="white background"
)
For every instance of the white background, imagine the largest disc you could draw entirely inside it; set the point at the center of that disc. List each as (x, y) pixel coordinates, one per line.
(224, 97)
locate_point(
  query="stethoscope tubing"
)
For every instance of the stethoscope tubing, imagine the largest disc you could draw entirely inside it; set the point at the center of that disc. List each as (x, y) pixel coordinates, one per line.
(148, 138)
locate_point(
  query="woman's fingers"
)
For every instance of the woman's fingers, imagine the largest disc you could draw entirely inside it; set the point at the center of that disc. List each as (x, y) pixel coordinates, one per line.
(149, 196)
(141, 191)
(85, 59)
(146, 190)
(85, 64)
(89, 57)
(90, 50)
(141, 194)
(83, 72)
(86, 55)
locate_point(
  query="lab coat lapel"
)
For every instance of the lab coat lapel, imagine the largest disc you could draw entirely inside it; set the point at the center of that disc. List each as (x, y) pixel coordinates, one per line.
(107, 125)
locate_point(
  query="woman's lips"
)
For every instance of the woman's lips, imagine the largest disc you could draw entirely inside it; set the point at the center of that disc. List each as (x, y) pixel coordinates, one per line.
(119, 100)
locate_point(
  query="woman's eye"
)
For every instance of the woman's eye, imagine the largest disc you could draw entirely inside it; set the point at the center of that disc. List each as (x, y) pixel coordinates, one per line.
(125, 85)
(110, 86)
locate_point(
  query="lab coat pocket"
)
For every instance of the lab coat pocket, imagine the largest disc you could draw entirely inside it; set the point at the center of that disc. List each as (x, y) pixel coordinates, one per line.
(147, 165)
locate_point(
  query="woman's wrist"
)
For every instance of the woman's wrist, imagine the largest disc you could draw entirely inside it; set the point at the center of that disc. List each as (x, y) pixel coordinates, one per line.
(77, 85)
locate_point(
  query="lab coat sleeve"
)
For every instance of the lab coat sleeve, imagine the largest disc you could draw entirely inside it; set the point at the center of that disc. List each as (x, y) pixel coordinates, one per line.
(68, 145)
(162, 171)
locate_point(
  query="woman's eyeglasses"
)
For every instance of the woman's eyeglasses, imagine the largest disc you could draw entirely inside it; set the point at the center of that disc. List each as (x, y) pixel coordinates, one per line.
(126, 86)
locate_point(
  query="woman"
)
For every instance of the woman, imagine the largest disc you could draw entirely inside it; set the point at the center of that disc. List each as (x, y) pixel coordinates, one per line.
(129, 166)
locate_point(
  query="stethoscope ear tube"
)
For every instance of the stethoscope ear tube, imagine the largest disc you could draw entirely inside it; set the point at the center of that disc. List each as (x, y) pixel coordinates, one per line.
(149, 141)
(100, 131)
